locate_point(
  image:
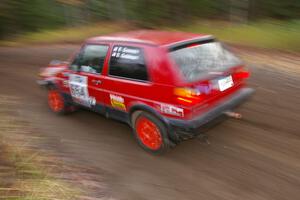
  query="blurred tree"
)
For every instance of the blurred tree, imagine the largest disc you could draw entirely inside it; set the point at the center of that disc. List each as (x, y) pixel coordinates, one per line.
(28, 15)
(206, 8)
(239, 10)
(116, 9)
(18, 16)
(71, 11)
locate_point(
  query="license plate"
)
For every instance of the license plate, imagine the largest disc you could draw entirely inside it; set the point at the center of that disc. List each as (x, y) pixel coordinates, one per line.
(225, 83)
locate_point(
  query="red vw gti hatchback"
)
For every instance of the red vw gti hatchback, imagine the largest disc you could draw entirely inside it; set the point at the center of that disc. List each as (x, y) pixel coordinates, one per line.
(165, 85)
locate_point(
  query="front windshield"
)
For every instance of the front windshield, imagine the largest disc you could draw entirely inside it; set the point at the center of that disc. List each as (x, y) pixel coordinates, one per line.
(196, 61)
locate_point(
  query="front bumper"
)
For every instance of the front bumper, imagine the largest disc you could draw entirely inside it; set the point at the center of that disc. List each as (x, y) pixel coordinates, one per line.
(229, 103)
(42, 82)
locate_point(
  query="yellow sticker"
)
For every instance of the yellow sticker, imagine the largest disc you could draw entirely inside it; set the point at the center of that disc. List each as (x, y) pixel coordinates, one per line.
(117, 102)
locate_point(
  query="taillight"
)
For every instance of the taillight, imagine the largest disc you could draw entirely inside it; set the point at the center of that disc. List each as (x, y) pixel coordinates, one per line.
(187, 96)
(241, 74)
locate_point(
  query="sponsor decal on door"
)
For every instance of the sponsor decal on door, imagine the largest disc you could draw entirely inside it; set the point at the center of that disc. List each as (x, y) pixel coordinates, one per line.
(117, 102)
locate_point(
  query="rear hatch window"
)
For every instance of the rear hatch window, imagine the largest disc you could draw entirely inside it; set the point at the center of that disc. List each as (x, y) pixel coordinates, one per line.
(197, 60)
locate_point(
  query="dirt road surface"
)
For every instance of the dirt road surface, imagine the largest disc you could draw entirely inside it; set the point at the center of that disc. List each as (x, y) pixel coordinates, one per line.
(256, 158)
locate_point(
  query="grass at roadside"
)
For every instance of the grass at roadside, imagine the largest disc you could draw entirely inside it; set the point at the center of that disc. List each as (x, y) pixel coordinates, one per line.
(25, 173)
(29, 179)
(266, 34)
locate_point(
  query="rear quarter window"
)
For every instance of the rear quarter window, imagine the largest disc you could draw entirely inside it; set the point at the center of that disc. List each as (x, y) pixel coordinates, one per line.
(128, 62)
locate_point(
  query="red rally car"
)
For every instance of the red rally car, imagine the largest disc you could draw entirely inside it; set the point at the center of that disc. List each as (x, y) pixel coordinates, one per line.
(165, 85)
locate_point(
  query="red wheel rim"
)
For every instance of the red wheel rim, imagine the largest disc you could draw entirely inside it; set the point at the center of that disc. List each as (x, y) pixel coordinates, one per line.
(55, 101)
(148, 133)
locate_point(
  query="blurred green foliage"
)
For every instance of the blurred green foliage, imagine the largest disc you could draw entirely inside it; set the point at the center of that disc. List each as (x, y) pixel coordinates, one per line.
(271, 34)
(282, 35)
(19, 16)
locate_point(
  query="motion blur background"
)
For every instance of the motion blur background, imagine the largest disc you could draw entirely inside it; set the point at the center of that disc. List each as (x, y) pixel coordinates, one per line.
(262, 23)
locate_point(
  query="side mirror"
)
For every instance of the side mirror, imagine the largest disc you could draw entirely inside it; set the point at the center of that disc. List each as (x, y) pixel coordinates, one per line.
(55, 62)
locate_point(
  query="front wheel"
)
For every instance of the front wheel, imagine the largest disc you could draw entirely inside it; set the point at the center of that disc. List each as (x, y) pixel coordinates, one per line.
(150, 133)
(57, 103)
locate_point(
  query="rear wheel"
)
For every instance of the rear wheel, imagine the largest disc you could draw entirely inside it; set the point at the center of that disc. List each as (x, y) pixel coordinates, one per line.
(57, 103)
(150, 133)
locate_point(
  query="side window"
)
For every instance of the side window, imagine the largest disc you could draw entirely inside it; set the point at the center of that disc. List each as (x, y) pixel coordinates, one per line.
(91, 59)
(128, 62)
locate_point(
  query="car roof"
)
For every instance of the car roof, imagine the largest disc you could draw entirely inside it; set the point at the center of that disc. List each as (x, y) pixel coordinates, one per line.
(151, 37)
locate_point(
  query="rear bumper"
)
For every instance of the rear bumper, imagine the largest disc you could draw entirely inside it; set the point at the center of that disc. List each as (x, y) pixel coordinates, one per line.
(227, 104)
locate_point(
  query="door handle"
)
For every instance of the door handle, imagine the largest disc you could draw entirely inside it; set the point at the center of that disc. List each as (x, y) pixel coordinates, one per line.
(96, 82)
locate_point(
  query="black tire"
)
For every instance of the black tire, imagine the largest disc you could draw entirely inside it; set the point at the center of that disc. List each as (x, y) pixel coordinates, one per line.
(67, 105)
(165, 142)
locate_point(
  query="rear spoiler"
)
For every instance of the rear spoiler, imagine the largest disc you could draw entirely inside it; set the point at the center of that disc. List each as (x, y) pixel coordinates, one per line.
(183, 44)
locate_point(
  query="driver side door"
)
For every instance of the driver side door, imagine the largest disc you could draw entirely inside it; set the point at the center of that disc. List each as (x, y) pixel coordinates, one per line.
(85, 78)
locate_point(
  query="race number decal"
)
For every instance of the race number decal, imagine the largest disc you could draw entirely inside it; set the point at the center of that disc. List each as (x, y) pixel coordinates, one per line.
(79, 90)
